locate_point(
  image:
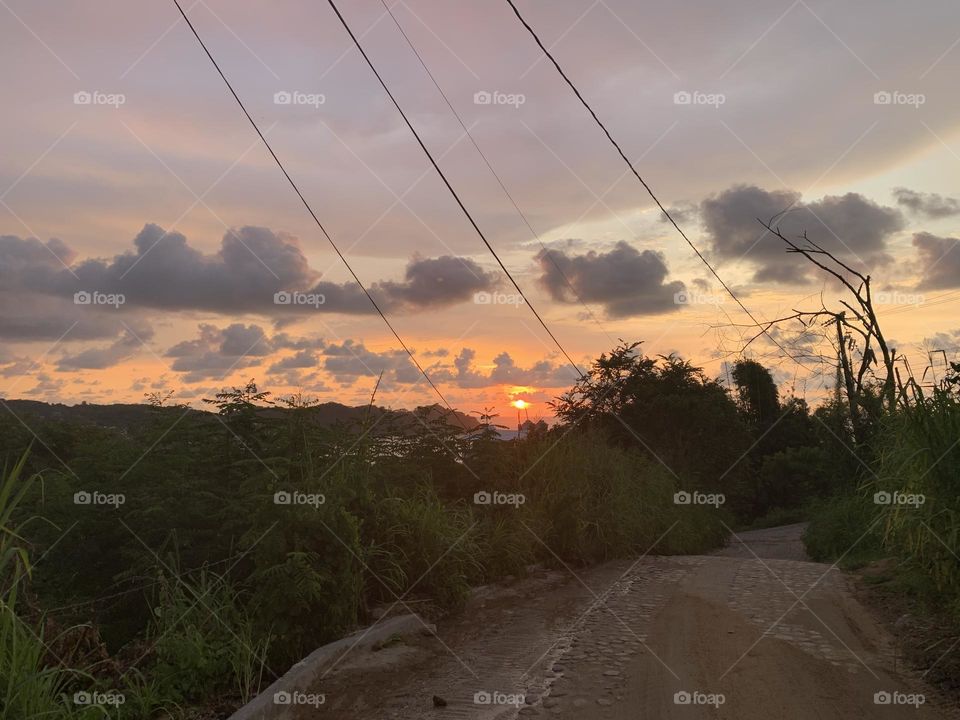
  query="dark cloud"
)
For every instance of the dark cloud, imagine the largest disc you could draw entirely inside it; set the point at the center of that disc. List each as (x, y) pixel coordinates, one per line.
(46, 386)
(16, 366)
(99, 358)
(432, 282)
(625, 281)
(351, 360)
(285, 341)
(256, 270)
(216, 352)
(681, 214)
(27, 317)
(851, 226)
(928, 205)
(301, 359)
(939, 261)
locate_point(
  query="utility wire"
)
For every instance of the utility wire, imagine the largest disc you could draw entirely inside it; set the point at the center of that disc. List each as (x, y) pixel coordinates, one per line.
(546, 253)
(312, 213)
(446, 182)
(643, 182)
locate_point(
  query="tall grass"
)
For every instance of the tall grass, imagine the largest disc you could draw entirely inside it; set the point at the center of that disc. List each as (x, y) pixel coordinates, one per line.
(589, 502)
(30, 689)
(920, 456)
(916, 470)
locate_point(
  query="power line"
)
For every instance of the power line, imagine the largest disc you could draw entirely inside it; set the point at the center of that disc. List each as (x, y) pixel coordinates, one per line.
(446, 182)
(547, 253)
(310, 210)
(643, 182)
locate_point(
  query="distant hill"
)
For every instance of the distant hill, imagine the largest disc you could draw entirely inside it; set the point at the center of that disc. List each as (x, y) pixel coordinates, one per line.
(133, 415)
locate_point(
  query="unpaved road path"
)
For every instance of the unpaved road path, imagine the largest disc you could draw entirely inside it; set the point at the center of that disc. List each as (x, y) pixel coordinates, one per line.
(752, 631)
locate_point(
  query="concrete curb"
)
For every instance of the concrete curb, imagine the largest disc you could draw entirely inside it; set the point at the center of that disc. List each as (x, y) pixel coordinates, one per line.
(305, 673)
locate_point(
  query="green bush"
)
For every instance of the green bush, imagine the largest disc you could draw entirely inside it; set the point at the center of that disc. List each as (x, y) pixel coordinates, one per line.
(844, 529)
(431, 548)
(590, 501)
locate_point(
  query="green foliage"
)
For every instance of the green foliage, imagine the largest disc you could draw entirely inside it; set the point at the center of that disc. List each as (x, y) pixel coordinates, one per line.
(843, 529)
(260, 581)
(28, 686)
(201, 639)
(590, 502)
(668, 410)
(919, 455)
(757, 392)
(791, 477)
(432, 546)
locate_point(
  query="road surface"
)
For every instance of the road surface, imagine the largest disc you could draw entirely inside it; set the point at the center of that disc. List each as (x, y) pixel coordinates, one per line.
(752, 631)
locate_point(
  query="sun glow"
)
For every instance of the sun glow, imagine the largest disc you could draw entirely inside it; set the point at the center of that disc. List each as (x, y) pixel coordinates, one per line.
(520, 404)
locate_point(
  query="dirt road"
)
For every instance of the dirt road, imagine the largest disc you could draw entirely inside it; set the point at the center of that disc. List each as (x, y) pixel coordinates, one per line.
(753, 631)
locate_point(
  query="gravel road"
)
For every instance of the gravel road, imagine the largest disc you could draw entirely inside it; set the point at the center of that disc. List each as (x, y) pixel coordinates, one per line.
(752, 631)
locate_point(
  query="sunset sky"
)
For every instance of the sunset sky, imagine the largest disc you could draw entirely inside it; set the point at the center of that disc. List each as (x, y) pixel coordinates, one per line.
(129, 170)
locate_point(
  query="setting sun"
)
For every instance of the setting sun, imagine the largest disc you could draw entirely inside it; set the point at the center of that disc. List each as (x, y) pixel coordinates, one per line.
(520, 404)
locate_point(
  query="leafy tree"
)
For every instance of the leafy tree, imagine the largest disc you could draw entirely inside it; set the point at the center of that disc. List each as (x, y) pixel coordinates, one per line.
(757, 393)
(667, 409)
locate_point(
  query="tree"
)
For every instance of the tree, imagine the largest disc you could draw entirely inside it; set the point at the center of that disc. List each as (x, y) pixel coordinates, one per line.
(864, 358)
(757, 393)
(666, 409)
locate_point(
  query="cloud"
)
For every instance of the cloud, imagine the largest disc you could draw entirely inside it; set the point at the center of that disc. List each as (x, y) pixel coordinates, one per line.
(851, 226)
(928, 205)
(681, 214)
(948, 341)
(505, 371)
(252, 265)
(286, 341)
(624, 280)
(442, 281)
(351, 360)
(99, 358)
(47, 386)
(301, 359)
(16, 366)
(216, 352)
(939, 260)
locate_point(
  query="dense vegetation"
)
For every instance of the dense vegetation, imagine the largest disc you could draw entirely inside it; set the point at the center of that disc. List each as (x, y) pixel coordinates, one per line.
(904, 498)
(186, 560)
